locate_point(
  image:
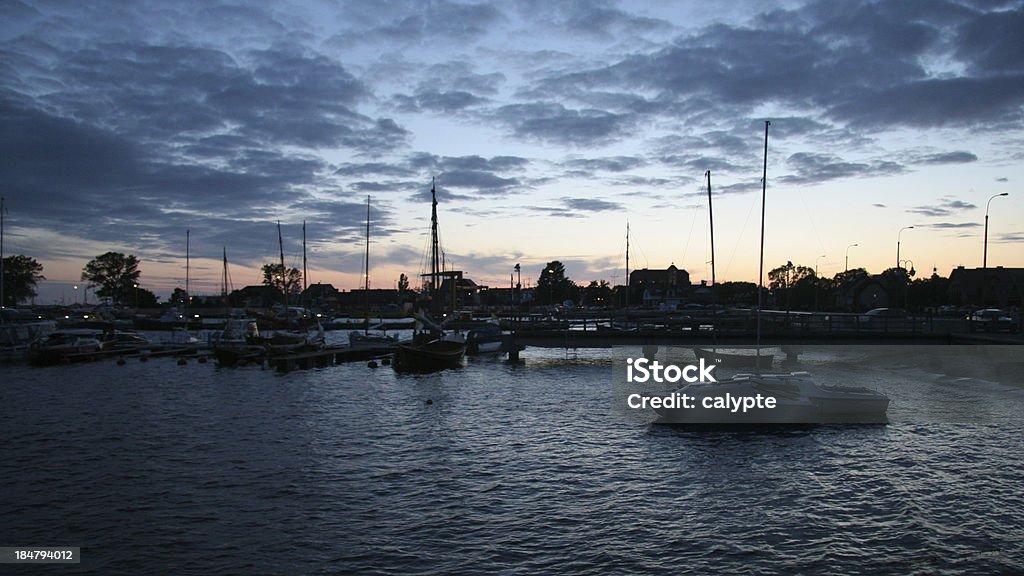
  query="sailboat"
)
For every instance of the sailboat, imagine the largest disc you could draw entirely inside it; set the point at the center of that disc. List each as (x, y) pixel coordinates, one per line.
(796, 397)
(356, 338)
(716, 356)
(431, 349)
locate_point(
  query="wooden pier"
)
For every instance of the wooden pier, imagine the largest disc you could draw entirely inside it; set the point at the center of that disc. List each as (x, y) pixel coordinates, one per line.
(328, 357)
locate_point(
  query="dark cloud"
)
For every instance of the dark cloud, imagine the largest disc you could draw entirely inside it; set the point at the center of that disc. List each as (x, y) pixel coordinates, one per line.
(947, 158)
(590, 205)
(552, 122)
(945, 207)
(606, 164)
(413, 23)
(952, 225)
(812, 168)
(437, 101)
(992, 42)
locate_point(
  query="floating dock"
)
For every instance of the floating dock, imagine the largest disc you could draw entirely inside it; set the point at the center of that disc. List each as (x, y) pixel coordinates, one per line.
(328, 357)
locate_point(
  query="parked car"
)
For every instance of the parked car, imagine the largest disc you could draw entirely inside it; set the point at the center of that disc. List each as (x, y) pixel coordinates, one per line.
(992, 320)
(882, 314)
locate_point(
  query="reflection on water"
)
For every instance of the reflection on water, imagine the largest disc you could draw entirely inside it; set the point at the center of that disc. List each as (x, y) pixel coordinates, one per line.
(159, 468)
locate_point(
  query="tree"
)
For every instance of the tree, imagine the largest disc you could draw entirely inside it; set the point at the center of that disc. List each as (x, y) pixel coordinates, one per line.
(144, 298)
(598, 293)
(403, 284)
(115, 274)
(20, 276)
(178, 297)
(288, 281)
(552, 285)
(794, 283)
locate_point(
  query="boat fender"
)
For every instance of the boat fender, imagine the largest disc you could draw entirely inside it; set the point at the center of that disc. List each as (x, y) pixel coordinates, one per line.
(371, 364)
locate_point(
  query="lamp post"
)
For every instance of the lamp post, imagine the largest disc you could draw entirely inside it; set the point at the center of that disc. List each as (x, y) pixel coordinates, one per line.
(910, 274)
(136, 286)
(898, 243)
(984, 257)
(847, 265)
(75, 287)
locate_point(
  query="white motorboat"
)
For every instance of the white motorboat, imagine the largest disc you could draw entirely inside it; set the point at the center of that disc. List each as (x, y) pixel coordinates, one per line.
(795, 399)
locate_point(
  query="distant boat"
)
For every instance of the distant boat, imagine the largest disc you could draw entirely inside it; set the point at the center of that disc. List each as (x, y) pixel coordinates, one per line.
(432, 349)
(486, 338)
(63, 346)
(798, 399)
(378, 335)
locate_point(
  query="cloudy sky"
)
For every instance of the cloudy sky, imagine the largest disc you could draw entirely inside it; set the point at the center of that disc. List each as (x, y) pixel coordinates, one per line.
(547, 125)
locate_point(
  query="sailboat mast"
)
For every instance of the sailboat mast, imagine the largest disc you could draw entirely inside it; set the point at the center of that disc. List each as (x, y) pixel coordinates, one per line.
(188, 293)
(366, 269)
(434, 252)
(224, 283)
(305, 271)
(764, 190)
(284, 284)
(711, 217)
(627, 264)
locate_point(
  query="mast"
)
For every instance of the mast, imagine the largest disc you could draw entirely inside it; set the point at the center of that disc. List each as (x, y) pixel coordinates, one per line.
(711, 216)
(366, 268)
(434, 252)
(627, 265)
(760, 278)
(224, 283)
(284, 284)
(304, 270)
(188, 293)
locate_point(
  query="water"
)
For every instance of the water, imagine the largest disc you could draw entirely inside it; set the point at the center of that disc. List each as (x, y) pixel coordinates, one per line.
(159, 468)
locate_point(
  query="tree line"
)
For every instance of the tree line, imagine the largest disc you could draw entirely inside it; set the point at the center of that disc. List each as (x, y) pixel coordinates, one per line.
(115, 278)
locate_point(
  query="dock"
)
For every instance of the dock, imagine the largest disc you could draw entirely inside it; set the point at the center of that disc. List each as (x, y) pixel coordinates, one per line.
(328, 356)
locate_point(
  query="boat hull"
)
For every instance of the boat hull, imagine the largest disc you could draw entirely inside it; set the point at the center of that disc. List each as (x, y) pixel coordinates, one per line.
(430, 356)
(798, 400)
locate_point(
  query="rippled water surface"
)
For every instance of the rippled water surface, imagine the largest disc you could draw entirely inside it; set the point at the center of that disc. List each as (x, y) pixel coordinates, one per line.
(158, 468)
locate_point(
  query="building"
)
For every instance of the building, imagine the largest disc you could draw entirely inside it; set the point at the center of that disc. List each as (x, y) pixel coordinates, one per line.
(1002, 287)
(663, 289)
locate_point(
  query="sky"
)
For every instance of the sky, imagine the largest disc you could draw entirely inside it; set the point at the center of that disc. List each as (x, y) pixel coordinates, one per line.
(548, 126)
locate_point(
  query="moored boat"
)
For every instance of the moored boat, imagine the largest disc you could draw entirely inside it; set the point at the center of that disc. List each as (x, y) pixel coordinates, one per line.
(796, 399)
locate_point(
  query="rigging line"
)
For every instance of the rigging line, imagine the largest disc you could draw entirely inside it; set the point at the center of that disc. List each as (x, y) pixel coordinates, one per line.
(735, 248)
(689, 238)
(810, 218)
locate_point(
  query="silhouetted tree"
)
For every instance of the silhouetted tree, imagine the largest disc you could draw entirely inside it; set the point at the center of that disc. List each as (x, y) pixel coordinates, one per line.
(598, 293)
(552, 285)
(287, 281)
(115, 274)
(20, 276)
(793, 285)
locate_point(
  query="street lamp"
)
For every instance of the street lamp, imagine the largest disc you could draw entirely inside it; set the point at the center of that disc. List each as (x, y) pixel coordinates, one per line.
(984, 257)
(910, 274)
(847, 268)
(898, 243)
(136, 286)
